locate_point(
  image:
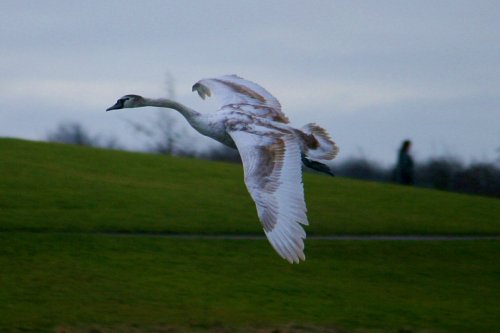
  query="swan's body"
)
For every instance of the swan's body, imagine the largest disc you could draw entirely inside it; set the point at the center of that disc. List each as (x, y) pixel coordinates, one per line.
(250, 120)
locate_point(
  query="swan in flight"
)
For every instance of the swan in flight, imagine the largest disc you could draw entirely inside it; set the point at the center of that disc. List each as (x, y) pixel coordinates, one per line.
(272, 152)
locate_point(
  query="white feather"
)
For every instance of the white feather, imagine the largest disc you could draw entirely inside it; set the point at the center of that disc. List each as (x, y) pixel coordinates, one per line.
(233, 91)
(284, 205)
(250, 119)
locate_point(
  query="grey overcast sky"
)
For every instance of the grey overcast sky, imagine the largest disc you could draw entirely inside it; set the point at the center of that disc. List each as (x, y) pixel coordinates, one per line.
(371, 72)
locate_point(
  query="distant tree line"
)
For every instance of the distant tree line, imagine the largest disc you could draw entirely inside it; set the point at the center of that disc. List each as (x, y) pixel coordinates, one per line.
(76, 134)
(442, 173)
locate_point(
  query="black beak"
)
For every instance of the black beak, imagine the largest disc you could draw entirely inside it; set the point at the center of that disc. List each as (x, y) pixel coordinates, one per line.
(118, 105)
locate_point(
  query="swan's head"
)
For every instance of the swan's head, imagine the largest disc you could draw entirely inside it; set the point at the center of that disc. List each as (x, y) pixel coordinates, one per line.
(127, 101)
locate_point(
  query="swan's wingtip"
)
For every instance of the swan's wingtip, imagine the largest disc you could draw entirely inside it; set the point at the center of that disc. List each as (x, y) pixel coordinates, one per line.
(202, 90)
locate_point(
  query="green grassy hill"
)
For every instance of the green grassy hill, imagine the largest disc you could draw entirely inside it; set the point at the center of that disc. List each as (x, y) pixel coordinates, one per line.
(61, 272)
(67, 188)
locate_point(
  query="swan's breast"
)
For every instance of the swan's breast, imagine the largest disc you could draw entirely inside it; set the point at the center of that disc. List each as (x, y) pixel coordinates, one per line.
(213, 126)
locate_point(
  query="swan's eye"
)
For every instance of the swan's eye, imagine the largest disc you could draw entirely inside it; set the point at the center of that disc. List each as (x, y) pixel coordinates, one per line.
(121, 102)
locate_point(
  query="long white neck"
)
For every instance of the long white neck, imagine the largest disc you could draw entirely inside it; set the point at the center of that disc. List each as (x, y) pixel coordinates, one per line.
(187, 112)
(203, 123)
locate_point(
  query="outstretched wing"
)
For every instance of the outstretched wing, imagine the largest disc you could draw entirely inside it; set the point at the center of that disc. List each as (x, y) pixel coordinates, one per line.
(241, 94)
(273, 177)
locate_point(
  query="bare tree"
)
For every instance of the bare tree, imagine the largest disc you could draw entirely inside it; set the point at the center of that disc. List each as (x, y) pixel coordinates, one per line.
(71, 133)
(362, 168)
(479, 178)
(166, 134)
(439, 173)
(74, 133)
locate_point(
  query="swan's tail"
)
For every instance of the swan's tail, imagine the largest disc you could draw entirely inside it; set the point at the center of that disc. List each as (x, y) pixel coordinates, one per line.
(318, 144)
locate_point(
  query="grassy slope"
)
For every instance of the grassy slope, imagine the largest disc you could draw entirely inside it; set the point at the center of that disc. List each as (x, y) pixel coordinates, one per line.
(50, 280)
(82, 280)
(58, 187)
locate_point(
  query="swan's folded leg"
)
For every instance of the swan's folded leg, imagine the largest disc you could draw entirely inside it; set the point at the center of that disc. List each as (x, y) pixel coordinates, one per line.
(315, 165)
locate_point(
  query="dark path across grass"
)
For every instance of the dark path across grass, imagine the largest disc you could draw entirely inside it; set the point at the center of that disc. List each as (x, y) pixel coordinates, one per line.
(316, 237)
(309, 237)
(263, 237)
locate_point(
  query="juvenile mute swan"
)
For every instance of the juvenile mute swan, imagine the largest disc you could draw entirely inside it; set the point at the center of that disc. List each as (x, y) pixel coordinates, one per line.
(250, 120)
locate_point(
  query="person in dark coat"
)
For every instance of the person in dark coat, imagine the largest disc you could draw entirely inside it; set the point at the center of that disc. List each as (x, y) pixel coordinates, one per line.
(404, 168)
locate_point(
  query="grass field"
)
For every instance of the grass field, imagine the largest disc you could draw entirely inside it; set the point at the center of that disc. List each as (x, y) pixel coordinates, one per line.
(66, 188)
(58, 275)
(81, 280)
